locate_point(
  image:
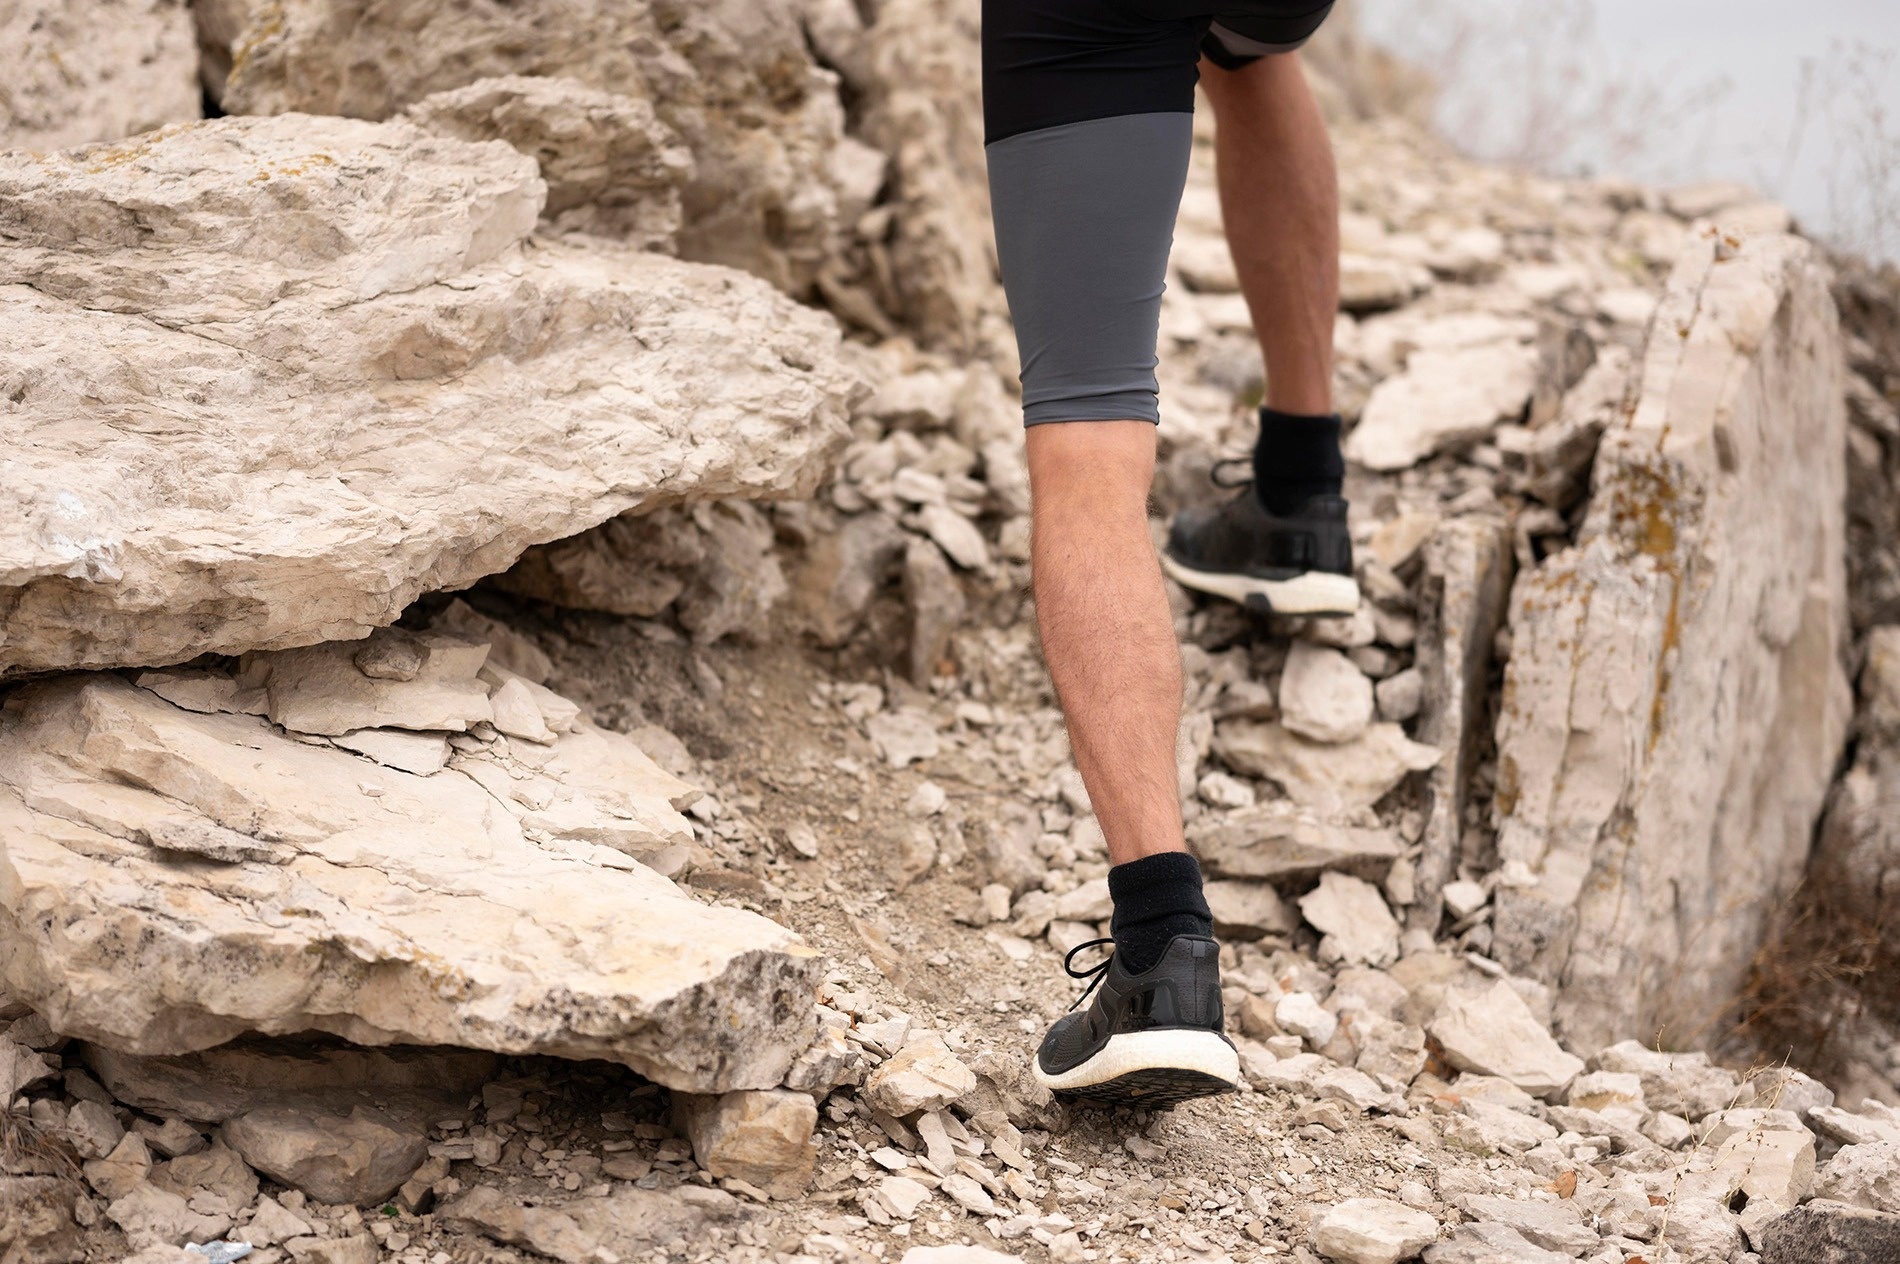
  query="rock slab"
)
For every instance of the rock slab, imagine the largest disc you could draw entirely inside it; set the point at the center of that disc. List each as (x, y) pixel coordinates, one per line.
(304, 342)
(1675, 704)
(472, 908)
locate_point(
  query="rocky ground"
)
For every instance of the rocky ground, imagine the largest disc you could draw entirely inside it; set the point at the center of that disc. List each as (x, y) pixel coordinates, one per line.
(686, 874)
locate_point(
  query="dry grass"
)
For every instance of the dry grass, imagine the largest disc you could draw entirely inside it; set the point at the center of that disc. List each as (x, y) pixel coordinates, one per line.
(1813, 982)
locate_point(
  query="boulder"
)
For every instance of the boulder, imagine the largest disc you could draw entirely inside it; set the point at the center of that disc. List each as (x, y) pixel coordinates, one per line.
(1271, 842)
(762, 1138)
(1372, 1231)
(1831, 1233)
(1358, 927)
(488, 906)
(1326, 778)
(1443, 399)
(735, 81)
(80, 71)
(611, 166)
(1675, 703)
(1492, 1031)
(361, 1157)
(314, 417)
(36, 1220)
(1323, 697)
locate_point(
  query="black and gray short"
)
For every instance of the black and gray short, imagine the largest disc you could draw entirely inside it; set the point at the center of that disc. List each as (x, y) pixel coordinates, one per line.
(1088, 119)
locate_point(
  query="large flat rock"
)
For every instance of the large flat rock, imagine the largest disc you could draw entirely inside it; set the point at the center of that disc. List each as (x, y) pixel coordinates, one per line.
(171, 879)
(1675, 701)
(265, 381)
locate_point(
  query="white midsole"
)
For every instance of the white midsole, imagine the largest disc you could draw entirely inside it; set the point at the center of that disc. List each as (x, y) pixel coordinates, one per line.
(1201, 1051)
(1314, 593)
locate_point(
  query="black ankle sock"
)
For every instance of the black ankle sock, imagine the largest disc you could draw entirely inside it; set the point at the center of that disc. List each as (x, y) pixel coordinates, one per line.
(1296, 459)
(1156, 898)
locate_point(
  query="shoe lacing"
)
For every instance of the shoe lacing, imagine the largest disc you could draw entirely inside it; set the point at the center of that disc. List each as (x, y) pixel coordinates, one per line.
(1229, 483)
(1095, 973)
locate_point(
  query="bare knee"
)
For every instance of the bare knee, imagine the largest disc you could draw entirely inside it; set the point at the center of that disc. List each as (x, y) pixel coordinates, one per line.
(1108, 465)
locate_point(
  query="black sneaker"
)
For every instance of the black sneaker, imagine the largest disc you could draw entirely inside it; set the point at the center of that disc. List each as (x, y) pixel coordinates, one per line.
(1301, 564)
(1150, 1039)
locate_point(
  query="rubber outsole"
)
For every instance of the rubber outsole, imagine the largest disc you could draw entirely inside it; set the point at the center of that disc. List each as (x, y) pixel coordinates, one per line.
(1314, 593)
(1156, 1088)
(1151, 1069)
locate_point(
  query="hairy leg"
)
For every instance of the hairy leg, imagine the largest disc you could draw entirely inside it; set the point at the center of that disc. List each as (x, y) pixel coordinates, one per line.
(1279, 192)
(1107, 634)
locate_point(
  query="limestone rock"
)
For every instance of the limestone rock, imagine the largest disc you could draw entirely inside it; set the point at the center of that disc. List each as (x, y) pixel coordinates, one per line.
(957, 1255)
(734, 81)
(1270, 842)
(80, 72)
(1661, 844)
(461, 928)
(152, 1214)
(1686, 1084)
(1553, 1226)
(1490, 1244)
(762, 1138)
(322, 689)
(361, 1157)
(1774, 1166)
(1351, 914)
(1831, 1233)
(1327, 778)
(36, 1221)
(1372, 1231)
(20, 1068)
(611, 166)
(937, 607)
(1493, 1032)
(1443, 398)
(1247, 910)
(1463, 589)
(1323, 697)
(1865, 1175)
(630, 1222)
(297, 384)
(121, 1171)
(924, 1075)
(843, 571)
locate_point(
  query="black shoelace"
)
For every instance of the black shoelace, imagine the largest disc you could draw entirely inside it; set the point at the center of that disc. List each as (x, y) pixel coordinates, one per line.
(1095, 973)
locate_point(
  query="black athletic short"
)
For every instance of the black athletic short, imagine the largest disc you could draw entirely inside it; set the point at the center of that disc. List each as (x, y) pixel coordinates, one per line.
(1088, 118)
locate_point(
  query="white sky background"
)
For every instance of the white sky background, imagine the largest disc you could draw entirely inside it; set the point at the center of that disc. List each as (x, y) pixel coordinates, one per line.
(1676, 91)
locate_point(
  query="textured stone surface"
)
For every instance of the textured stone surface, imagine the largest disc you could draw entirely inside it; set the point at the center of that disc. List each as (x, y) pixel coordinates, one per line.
(610, 164)
(1674, 703)
(269, 352)
(629, 1222)
(762, 1138)
(1492, 1031)
(1832, 1233)
(1372, 1231)
(1270, 841)
(1443, 398)
(80, 71)
(429, 910)
(360, 1157)
(733, 79)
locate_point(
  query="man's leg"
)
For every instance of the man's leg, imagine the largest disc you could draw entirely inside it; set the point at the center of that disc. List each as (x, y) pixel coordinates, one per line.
(1107, 633)
(1284, 547)
(1088, 124)
(1279, 193)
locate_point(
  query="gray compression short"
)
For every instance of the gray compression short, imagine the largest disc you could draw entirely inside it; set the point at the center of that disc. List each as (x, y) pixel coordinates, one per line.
(1088, 118)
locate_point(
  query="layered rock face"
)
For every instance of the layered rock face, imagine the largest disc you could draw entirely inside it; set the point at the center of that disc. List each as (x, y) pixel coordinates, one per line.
(1675, 699)
(179, 877)
(733, 80)
(81, 71)
(303, 339)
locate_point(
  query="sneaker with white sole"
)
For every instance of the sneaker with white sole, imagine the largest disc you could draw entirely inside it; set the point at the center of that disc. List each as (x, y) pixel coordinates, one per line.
(1151, 1039)
(1298, 564)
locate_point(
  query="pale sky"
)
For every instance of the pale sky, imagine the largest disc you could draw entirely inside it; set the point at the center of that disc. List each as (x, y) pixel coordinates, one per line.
(1757, 47)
